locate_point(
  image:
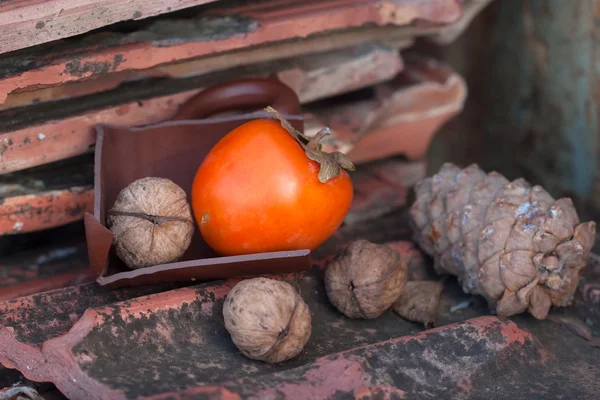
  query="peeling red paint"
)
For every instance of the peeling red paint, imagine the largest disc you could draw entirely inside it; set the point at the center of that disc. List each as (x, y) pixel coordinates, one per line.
(341, 375)
(379, 392)
(42, 269)
(354, 372)
(20, 356)
(380, 359)
(515, 335)
(74, 136)
(208, 392)
(49, 20)
(402, 116)
(465, 384)
(343, 70)
(34, 212)
(291, 19)
(32, 286)
(67, 360)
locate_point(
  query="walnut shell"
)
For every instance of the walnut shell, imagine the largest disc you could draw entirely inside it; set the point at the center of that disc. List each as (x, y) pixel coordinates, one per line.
(152, 223)
(419, 302)
(267, 319)
(365, 279)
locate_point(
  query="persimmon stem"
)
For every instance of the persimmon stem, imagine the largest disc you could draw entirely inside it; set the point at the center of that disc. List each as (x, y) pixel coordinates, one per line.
(315, 142)
(330, 164)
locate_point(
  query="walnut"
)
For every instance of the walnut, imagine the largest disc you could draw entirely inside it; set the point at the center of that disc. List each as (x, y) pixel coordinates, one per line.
(365, 279)
(267, 319)
(152, 223)
(419, 302)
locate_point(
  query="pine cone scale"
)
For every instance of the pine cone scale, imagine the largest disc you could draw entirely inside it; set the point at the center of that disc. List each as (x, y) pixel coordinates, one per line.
(490, 279)
(517, 269)
(510, 304)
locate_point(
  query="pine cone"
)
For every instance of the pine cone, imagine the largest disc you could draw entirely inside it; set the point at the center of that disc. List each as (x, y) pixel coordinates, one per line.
(507, 241)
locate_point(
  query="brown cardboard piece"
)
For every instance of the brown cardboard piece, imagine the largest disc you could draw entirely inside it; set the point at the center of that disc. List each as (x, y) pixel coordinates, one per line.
(175, 149)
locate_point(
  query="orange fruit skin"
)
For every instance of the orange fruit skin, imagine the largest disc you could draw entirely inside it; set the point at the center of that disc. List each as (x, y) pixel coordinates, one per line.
(256, 191)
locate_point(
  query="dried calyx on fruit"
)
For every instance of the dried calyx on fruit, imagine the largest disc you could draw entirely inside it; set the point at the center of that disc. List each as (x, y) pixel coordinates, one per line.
(507, 241)
(267, 319)
(152, 223)
(365, 279)
(331, 164)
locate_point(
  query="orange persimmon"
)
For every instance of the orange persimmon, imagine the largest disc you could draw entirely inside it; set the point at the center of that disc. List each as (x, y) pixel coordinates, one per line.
(266, 187)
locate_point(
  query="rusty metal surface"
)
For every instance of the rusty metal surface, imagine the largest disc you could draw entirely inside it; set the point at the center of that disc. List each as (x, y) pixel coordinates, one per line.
(416, 105)
(47, 196)
(456, 359)
(172, 344)
(219, 30)
(43, 260)
(173, 341)
(35, 318)
(382, 187)
(39, 317)
(43, 269)
(179, 338)
(345, 68)
(399, 117)
(49, 20)
(44, 210)
(71, 134)
(442, 363)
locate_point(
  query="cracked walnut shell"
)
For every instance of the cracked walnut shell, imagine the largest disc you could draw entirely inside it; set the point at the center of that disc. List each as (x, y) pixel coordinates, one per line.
(365, 279)
(152, 223)
(267, 319)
